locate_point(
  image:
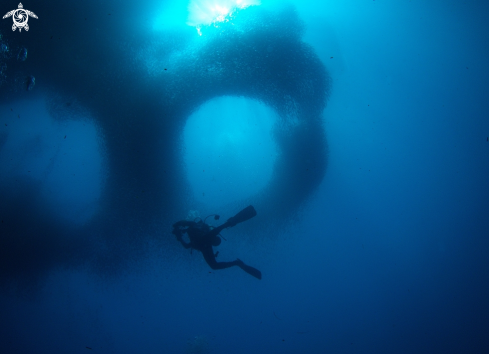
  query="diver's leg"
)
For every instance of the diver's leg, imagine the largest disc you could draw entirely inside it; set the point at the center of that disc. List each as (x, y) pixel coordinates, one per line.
(248, 269)
(211, 260)
(216, 231)
(245, 214)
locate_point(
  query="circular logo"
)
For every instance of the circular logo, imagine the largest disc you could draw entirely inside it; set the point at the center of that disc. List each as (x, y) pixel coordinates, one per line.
(20, 17)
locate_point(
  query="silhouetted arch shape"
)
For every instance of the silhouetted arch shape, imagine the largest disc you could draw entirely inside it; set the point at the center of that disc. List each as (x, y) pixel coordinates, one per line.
(256, 58)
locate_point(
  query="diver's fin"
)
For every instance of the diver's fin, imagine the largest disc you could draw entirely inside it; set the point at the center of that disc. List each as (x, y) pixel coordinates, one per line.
(245, 214)
(250, 270)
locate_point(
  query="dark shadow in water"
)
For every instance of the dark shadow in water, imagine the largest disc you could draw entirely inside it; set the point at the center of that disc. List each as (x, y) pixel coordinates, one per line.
(142, 110)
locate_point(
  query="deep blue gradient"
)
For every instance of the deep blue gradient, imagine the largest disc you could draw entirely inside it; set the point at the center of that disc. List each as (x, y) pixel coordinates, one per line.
(380, 247)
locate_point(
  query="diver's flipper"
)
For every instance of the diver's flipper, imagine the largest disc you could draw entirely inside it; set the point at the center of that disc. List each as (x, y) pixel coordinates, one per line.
(245, 214)
(251, 271)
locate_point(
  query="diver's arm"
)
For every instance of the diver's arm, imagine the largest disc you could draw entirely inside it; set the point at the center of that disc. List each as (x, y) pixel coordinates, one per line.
(178, 231)
(179, 235)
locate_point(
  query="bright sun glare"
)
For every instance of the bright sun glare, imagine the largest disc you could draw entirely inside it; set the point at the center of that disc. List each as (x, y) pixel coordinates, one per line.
(206, 12)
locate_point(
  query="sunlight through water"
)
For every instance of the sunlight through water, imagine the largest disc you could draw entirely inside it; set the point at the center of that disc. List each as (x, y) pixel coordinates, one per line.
(206, 12)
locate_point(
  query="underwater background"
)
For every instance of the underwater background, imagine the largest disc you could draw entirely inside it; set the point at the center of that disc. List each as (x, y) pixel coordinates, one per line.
(358, 129)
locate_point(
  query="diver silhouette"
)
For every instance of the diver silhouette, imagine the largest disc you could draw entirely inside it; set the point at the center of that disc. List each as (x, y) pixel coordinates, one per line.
(202, 237)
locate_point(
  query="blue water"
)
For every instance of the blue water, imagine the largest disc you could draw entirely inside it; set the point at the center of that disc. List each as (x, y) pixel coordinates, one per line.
(358, 129)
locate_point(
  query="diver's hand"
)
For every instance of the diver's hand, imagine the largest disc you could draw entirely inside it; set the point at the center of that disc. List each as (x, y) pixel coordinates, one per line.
(177, 232)
(178, 236)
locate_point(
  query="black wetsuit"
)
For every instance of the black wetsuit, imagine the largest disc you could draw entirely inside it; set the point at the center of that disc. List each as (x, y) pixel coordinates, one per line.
(203, 237)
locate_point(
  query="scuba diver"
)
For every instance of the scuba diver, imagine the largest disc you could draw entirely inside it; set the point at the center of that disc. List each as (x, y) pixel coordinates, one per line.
(203, 237)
